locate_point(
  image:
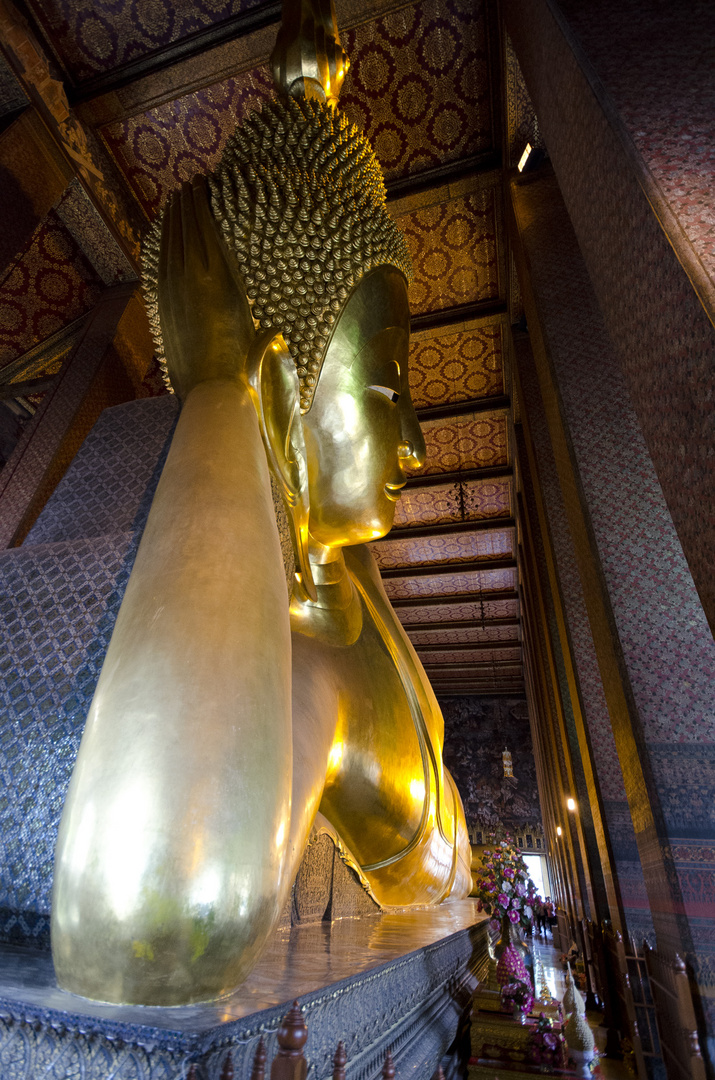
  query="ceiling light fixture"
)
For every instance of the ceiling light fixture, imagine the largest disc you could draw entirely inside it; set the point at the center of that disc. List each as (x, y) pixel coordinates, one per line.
(571, 803)
(558, 830)
(524, 157)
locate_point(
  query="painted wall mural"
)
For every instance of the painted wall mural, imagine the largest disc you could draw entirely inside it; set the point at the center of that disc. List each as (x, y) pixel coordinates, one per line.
(477, 732)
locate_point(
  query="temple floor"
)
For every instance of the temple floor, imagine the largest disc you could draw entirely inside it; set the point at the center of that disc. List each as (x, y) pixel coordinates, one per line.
(542, 950)
(296, 962)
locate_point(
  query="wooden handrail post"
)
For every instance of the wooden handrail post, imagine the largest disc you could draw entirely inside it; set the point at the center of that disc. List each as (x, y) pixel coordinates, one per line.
(289, 1063)
(258, 1072)
(339, 1061)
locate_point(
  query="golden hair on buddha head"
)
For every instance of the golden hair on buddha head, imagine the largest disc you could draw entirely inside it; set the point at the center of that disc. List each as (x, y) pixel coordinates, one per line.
(300, 200)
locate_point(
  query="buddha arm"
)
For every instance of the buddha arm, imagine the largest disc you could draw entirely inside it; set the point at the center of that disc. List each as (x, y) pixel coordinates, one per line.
(169, 870)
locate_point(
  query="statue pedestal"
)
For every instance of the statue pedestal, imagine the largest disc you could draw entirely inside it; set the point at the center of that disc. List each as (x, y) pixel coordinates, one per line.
(497, 1037)
(501, 1046)
(399, 980)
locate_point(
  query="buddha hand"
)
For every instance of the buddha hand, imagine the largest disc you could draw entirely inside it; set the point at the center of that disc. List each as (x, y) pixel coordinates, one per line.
(205, 316)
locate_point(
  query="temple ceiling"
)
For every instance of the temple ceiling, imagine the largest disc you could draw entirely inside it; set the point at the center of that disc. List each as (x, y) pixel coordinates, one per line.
(153, 89)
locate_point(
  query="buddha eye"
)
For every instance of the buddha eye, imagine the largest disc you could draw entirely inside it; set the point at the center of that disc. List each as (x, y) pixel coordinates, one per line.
(387, 391)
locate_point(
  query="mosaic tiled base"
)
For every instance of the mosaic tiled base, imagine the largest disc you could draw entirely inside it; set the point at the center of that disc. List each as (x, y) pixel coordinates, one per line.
(399, 981)
(58, 608)
(59, 598)
(110, 484)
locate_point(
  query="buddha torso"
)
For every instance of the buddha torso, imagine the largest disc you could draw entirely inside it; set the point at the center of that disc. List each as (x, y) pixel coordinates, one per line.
(379, 748)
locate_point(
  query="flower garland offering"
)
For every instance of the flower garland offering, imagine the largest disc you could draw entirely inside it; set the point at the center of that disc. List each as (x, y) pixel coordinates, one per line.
(503, 886)
(512, 976)
(548, 1045)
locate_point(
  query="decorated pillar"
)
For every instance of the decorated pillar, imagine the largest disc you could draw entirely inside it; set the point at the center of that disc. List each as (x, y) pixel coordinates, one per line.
(654, 650)
(626, 113)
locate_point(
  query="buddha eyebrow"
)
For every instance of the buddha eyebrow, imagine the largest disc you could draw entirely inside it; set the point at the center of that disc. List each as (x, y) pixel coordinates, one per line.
(387, 391)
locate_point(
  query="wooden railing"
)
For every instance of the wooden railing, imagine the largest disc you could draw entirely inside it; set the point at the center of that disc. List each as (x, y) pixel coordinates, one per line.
(643, 1007)
(290, 1062)
(617, 961)
(675, 1015)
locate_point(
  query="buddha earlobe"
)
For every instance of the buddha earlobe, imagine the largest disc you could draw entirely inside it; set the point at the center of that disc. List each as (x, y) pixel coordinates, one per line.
(275, 392)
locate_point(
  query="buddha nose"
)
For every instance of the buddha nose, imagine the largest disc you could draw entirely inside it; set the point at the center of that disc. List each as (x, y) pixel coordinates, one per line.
(412, 453)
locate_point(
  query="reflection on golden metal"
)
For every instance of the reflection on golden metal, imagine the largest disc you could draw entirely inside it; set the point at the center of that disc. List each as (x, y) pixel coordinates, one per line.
(308, 60)
(223, 722)
(273, 384)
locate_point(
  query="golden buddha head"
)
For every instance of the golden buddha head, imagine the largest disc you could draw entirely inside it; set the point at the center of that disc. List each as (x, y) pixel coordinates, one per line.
(300, 202)
(361, 432)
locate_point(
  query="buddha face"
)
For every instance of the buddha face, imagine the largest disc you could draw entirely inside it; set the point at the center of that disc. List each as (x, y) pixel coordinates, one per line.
(361, 432)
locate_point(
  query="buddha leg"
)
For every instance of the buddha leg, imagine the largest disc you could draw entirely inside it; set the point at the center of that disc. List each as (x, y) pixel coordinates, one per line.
(437, 866)
(170, 863)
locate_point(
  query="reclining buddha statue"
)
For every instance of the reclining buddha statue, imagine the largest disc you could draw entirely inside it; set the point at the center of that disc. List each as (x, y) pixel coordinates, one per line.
(228, 714)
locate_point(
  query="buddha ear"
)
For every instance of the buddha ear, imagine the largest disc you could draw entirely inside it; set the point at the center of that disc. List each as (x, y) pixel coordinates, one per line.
(275, 391)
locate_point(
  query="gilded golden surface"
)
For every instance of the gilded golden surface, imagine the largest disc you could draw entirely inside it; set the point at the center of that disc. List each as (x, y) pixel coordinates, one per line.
(223, 722)
(308, 60)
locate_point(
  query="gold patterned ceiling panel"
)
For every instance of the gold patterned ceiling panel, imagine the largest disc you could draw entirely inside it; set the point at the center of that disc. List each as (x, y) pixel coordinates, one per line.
(419, 85)
(93, 38)
(472, 500)
(159, 149)
(454, 249)
(437, 613)
(434, 550)
(466, 636)
(50, 285)
(497, 657)
(452, 584)
(478, 440)
(461, 365)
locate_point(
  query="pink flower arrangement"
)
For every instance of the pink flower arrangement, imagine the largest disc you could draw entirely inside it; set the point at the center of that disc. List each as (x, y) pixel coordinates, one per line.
(548, 1045)
(503, 887)
(512, 976)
